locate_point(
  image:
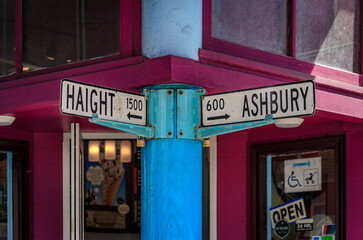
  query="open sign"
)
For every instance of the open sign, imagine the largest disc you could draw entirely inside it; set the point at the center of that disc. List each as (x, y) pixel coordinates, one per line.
(290, 212)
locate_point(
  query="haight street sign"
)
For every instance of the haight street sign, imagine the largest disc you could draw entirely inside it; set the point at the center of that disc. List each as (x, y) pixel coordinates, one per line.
(84, 100)
(282, 101)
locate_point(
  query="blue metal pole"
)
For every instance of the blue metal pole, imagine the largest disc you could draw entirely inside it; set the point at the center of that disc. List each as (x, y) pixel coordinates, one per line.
(171, 172)
(172, 166)
(172, 189)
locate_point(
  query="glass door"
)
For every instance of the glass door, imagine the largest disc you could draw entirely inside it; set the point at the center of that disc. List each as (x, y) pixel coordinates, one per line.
(298, 190)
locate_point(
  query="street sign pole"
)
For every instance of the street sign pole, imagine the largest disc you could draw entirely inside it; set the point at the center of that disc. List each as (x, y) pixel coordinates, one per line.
(172, 165)
(171, 198)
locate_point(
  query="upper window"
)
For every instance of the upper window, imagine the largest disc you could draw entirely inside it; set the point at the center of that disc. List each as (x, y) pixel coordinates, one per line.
(7, 37)
(328, 33)
(321, 32)
(59, 32)
(40, 34)
(260, 24)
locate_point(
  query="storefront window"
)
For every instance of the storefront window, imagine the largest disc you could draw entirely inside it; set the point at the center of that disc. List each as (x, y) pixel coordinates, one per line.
(301, 190)
(7, 37)
(60, 32)
(14, 198)
(112, 188)
(260, 24)
(4, 185)
(328, 33)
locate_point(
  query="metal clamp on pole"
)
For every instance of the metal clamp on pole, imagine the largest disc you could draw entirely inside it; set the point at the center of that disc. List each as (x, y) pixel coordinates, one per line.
(146, 132)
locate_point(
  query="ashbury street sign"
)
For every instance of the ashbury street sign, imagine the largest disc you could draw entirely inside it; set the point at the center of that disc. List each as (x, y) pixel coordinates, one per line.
(84, 100)
(282, 101)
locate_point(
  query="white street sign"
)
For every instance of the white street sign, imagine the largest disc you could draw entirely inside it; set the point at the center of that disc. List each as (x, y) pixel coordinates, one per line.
(282, 101)
(302, 175)
(84, 100)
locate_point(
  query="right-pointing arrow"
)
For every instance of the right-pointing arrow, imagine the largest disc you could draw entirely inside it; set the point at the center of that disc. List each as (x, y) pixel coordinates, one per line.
(225, 116)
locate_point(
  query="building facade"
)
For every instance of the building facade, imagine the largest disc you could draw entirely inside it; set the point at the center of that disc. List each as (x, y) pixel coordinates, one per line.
(219, 45)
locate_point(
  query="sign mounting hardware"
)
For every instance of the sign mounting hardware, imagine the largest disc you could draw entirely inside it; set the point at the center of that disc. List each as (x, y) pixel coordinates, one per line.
(84, 100)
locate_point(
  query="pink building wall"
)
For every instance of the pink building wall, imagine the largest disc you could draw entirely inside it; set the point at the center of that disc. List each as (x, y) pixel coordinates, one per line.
(41, 124)
(47, 186)
(354, 179)
(46, 190)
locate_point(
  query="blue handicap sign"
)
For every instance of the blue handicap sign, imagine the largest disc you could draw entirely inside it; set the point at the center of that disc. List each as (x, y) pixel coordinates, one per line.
(293, 181)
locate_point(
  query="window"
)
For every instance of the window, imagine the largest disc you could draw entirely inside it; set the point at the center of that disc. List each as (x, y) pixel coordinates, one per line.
(41, 34)
(328, 33)
(7, 37)
(14, 191)
(67, 31)
(260, 24)
(307, 171)
(112, 187)
(321, 32)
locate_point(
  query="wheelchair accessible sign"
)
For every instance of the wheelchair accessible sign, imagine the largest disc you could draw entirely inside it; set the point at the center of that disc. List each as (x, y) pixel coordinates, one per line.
(302, 175)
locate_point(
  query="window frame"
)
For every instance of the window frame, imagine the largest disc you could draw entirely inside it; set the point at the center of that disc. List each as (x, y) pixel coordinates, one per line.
(259, 190)
(288, 61)
(130, 41)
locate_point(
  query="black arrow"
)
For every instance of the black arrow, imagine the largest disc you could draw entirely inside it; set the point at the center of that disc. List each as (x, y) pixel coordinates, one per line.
(225, 116)
(129, 115)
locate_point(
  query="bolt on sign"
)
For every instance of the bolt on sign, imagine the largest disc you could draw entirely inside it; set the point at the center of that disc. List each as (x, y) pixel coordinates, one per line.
(282, 101)
(290, 212)
(84, 100)
(302, 175)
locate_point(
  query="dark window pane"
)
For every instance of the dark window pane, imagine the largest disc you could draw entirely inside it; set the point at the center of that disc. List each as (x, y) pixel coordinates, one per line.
(327, 33)
(260, 24)
(59, 32)
(3, 197)
(7, 37)
(102, 27)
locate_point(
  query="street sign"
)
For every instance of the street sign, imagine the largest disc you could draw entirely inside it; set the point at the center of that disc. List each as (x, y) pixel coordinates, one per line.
(84, 100)
(282, 101)
(302, 175)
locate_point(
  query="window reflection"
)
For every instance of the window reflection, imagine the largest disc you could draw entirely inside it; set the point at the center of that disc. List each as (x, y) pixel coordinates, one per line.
(260, 24)
(7, 37)
(327, 32)
(60, 32)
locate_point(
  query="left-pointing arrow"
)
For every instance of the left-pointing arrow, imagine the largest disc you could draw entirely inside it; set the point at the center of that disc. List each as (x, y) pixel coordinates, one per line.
(129, 115)
(225, 116)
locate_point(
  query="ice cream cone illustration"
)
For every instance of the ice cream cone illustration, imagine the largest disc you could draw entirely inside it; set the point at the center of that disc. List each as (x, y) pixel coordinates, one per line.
(113, 172)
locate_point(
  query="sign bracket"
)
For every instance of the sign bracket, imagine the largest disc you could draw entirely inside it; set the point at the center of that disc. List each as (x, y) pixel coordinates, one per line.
(147, 132)
(206, 132)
